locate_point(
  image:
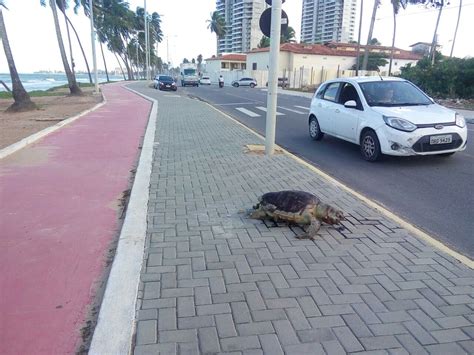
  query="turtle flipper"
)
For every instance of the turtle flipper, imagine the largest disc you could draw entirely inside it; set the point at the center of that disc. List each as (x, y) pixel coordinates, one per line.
(312, 230)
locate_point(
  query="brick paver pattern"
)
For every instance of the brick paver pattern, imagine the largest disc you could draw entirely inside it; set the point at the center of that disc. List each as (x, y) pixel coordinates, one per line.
(215, 282)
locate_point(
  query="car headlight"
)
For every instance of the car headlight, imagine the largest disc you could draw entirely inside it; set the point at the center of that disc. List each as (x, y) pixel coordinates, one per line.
(173, 83)
(399, 123)
(460, 120)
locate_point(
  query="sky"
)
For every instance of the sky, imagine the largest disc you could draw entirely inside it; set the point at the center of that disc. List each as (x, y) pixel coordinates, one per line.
(34, 45)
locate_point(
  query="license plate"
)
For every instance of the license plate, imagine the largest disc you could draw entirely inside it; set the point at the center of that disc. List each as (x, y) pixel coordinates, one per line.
(168, 86)
(445, 139)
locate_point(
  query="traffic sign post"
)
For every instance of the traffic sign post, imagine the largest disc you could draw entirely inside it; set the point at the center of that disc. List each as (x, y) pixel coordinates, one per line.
(275, 31)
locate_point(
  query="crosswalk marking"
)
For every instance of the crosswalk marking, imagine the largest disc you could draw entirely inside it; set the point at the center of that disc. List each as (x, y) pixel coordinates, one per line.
(265, 110)
(291, 110)
(247, 112)
(303, 107)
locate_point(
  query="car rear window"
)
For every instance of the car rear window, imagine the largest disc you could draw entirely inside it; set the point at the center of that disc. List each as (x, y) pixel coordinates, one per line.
(205, 77)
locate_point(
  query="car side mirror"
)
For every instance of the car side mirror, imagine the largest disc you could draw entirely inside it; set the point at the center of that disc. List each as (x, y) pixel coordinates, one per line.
(350, 104)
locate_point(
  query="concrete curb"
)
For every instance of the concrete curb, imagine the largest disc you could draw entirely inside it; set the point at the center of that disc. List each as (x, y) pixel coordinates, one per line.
(400, 221)
(116, 322)
(37, 136)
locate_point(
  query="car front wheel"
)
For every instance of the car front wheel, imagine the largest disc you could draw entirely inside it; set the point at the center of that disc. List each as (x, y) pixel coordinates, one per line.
(235, 85)
(370, 146)
(314, 130)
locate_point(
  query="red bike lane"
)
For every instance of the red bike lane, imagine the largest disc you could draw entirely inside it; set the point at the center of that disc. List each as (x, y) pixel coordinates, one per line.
(59, 206)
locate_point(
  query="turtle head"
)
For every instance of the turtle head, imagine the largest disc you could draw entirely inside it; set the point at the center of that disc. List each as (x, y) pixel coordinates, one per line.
(329, 214)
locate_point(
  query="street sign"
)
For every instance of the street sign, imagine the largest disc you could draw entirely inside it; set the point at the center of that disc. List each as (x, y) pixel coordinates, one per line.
(266, 21)
(269, 2)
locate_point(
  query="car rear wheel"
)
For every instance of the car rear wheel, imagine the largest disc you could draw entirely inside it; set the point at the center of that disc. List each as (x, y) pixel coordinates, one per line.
(252, 85)
(370, 146)
(314, 130)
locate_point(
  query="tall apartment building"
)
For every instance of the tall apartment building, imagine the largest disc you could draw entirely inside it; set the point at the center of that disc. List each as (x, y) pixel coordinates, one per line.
(328, 20)
(242, 20)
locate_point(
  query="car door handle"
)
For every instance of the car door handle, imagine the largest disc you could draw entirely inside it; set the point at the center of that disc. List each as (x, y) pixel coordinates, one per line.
(337, 110)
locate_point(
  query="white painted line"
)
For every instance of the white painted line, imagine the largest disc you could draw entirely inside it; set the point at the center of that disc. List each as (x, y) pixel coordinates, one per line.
(116, 323)
(38, 135)
(303, 107)
(291, 110)
(404, 224)
(265, 110)
(171, 95)
(247, 112)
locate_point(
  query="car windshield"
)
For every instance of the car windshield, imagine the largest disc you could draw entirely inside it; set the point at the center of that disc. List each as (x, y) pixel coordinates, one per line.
(165, 78)
(205, 77)
(393, 93)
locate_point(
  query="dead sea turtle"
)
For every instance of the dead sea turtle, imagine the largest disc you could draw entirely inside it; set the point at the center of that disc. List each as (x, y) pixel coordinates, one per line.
(298, 207)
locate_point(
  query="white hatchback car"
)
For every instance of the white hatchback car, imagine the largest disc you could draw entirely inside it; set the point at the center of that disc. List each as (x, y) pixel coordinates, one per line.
(205, 80)
(385, 116)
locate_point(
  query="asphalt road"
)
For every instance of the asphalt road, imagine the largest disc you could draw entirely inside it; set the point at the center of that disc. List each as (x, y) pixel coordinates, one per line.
(433, 193)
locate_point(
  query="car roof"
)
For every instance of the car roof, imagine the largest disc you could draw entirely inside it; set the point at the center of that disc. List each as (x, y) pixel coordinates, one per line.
(365, 79)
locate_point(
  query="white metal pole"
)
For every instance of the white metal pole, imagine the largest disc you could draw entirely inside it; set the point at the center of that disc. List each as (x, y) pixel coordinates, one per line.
(146, 44)
(94, 58)
(273, 77)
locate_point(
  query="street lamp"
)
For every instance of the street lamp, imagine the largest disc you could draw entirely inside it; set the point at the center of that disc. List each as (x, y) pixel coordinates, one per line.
(94, 58)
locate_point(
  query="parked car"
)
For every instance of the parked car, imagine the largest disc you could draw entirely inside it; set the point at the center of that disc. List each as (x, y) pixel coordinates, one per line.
(282, 82)
(165, 82)
(244, 82)
(385, 116)
(205, 80)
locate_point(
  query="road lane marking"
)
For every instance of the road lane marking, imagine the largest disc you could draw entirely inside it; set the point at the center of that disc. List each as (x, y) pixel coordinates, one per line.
(236, 103)
(303, 107)
(291, 110)
(265, 110)
(247, 112)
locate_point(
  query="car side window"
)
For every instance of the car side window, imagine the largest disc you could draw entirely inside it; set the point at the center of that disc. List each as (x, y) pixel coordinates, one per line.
(320, 92)
(348, 93)
(331, 92)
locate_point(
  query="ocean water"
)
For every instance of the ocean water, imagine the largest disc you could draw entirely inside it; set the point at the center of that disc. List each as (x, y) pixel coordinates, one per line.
(44, 81)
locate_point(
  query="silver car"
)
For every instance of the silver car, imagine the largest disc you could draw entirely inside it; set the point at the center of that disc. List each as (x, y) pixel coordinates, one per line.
(245, 82)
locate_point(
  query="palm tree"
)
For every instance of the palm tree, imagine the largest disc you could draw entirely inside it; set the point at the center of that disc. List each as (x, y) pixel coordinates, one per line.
(396, 5)
(288, 35)
(199, 61)
(439, 4)
(456, 30)
(217, 25)
(371, 31)
(73, 87)
(22, 101)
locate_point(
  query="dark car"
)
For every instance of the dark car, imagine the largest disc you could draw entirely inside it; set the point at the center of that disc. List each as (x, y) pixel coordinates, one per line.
(165, 82)
(282, 82)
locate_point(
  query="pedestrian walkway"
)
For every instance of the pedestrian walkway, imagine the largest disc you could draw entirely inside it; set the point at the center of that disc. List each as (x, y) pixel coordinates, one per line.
(59, 218)
(215, 282)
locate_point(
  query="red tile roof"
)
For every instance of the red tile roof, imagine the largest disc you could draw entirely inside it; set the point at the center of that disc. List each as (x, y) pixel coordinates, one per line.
(230, 57)
(339, 49)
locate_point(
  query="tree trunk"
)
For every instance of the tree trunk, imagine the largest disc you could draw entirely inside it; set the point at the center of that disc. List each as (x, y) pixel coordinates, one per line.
(393, 42)
(433, 43)
(120, 65)
(82, 50)
(105, 64)
(456, 30)
(73, 87)
(22, 101)
(371, 31)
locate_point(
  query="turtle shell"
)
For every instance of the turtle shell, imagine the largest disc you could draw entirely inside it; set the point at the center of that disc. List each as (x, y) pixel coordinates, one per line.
(289, 200)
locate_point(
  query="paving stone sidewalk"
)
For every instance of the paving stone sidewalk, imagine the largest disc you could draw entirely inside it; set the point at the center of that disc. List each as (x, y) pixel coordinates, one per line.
(215, 282)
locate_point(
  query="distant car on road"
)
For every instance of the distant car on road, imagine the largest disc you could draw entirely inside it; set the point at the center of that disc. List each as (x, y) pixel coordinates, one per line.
(385, 116)
(244, 82)
(282, 82)
(205, 80)
(165, 82)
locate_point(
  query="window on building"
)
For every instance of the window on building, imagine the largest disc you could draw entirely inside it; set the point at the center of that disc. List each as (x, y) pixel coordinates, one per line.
(254, 66)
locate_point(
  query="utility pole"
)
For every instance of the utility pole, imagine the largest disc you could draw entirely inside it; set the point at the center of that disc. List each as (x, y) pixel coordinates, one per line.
(94, 57)
(273, 77)
(146, 45)
(358, 40)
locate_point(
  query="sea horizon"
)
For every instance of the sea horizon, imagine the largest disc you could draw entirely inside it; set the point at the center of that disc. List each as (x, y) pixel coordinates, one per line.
(47, 80)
